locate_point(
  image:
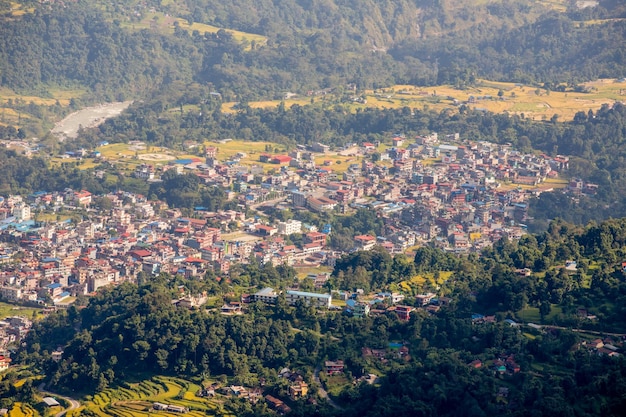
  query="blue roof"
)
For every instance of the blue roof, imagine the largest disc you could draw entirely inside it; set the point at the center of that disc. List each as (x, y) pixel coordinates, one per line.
(183, 161)
(53, 285)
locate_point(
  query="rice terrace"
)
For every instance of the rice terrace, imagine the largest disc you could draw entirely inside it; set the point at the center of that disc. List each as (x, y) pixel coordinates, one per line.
(139, 399)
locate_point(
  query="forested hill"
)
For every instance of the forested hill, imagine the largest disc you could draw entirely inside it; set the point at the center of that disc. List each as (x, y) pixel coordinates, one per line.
(131, 49)
(130, 329)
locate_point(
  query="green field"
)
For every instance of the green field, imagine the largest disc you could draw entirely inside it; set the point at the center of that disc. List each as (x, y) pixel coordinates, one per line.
(531, 314)
(7, 310)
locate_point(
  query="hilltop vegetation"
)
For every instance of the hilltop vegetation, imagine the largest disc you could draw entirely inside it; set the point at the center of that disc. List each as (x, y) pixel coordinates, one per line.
(136, 330)
(120, 50)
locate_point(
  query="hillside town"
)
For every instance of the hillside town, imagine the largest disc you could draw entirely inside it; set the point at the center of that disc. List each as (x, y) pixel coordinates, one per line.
(425, 190)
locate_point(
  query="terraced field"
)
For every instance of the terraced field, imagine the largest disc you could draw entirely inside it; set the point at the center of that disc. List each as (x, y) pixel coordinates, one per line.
(23, 410)
(136, 400)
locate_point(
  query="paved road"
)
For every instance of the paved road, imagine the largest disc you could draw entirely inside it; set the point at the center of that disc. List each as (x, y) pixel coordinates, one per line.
(74, 403)
(322, 392)
(596, 332)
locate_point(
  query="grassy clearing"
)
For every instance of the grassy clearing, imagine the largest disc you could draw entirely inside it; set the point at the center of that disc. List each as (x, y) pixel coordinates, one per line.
(335, 384)
(166, 24)
(7, 310)
(531, 314)
(338, 163)
(49, 98)
(556, 182)
(557, 5)
(303, 272)
(17, 9)
(602, 21)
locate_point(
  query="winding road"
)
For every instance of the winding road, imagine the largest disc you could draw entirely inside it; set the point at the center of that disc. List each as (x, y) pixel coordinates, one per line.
(322, 392)
(74, 403)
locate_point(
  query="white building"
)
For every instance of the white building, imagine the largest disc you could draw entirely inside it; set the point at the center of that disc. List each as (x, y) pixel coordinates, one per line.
(309, 298)
(289, 227)
(21, 212)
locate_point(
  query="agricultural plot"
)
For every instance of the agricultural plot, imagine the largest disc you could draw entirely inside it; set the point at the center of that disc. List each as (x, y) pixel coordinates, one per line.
(137, 399)
(128, 157)
(48, 98)
(22, 410)
(416, 284)
(535, 103)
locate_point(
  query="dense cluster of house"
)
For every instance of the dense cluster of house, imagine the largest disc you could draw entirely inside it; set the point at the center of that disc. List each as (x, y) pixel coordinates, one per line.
(424, 189)
(12, 330)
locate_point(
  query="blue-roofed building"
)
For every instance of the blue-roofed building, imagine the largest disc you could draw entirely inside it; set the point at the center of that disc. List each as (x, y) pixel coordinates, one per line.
(357, 308)
(55, 289)
(309, 298)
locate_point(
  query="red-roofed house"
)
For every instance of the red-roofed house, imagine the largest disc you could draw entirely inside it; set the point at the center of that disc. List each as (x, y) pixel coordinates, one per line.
(140, 253)
(365, 242)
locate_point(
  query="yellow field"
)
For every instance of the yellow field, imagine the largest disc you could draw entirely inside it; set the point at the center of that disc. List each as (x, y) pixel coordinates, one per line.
(229, 107)
(241, 37)
(416, 284)
(534, 103)
(339, 164)
(556, 182)
(62, 95)
(129, 158)
(158, 21)
(138, 398)
(18, 9)
(602, 21)
(22, 410)
(558, 5)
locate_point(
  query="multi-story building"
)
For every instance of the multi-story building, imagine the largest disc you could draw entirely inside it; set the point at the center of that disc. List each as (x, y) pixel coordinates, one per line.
(266, 295)
(309, 298)
(289, 227)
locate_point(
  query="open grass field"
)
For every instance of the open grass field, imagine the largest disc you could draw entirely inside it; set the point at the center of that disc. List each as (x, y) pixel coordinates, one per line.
(136, 400)
(47, 98)
(304, 271)
(166, 24)
(531, 314)
(337, 163)
(7, 310)
(534, 103)
(16, 9)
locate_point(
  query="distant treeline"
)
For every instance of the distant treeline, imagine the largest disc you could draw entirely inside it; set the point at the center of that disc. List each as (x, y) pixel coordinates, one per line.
(310, 46)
